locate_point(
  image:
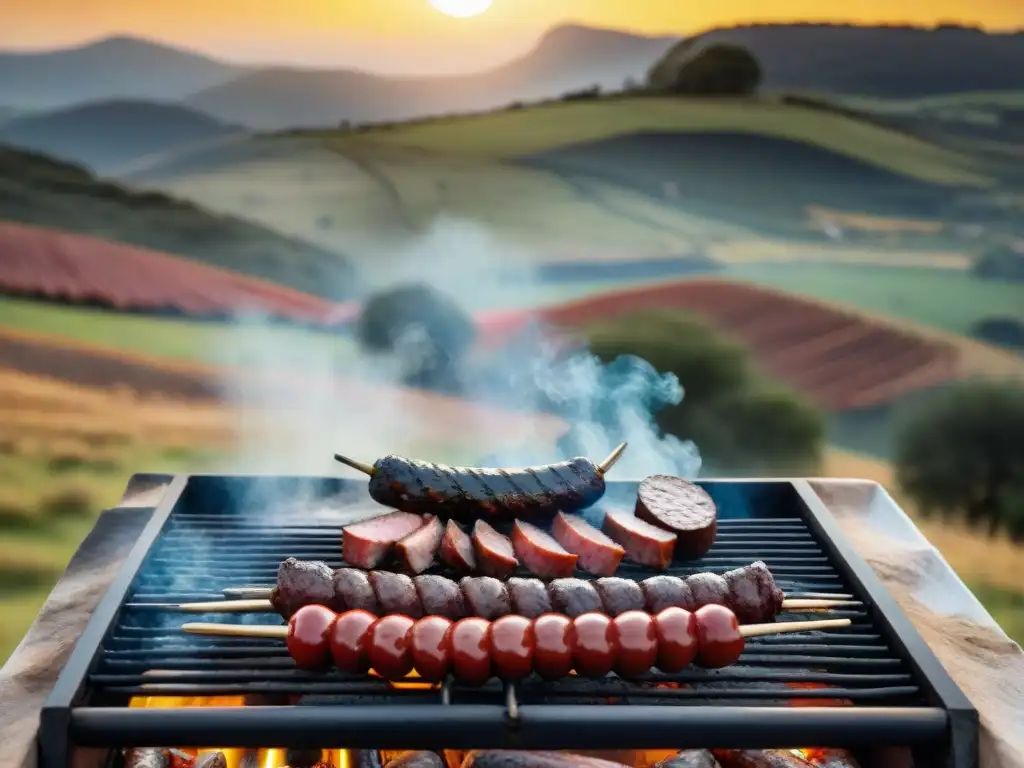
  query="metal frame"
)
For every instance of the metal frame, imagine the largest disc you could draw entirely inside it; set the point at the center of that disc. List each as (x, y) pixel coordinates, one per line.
(951, 722)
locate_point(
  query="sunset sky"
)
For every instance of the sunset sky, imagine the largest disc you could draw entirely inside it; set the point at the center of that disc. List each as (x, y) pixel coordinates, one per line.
(409, 35)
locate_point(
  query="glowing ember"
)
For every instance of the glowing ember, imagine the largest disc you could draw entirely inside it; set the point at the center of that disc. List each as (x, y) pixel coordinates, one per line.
(798, 702)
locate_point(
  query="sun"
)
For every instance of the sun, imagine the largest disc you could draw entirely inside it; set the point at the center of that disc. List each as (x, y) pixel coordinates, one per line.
(461, 9)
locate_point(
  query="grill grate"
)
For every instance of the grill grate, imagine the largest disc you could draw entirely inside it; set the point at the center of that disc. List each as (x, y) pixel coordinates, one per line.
(843, 687)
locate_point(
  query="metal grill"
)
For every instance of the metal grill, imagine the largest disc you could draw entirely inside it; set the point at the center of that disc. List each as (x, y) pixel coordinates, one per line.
(872, 683)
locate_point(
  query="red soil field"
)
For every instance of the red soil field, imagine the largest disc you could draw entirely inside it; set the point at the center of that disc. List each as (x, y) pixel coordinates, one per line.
(839, 360)
(76, 268)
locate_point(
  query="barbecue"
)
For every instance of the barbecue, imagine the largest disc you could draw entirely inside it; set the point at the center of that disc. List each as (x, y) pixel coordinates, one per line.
(864, 681)
(750, 592)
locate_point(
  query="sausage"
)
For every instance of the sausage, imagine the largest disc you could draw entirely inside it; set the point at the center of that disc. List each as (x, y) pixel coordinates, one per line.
(146, 757)
(456, 549)
(644, 543)
(366, 543)
(678, 640)
(494, 553)
(708, 589)
(759, 758)
(637, 643)
(508, 758)
(529, 597)
(554, 639)
(215, 759)
(540, 553)
(352, 590)
(417, 759)
(471, 651)
(440, 597)
(512, 647)
(681, 507)
(598, 554)
(350, 641)
(416, 551)
(469, 494)
(390, 649)
(308, 641)
(619, 595)
(396, 593)
(574, 597)
(596, 645)
(753, 596)
(661, 592)
(431, 647)
(719, 642)
(302, 582)
(690, 758)
(486, 597)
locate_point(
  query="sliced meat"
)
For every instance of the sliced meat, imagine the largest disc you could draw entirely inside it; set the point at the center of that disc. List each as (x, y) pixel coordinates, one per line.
(597, 553)
(366, 543)
(416, 551)
(661, 592)
(509, 758)
(494, 553)
(644, 543)
(301, 582)
(708, 588)
(417, 759)
(574, 597)
(540, 553)
(690, 758)
(753, 595)
(456, 549)
(529, 597)
(619, 595)
(396, 593)
(440, 597)
(681, 507)
(353, 591)
(486, 597)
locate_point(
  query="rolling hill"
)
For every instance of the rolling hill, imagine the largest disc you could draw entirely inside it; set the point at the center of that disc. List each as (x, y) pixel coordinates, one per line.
(111, 68)
(107, 135)
(35, 189)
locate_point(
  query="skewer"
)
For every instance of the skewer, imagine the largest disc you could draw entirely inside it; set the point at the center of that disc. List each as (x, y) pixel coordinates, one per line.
(362, 466)
(613, 457)
(265, 606)
(281, 633)
(256, 593)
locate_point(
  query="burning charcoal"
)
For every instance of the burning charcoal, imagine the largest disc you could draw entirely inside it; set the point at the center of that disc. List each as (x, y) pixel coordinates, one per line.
(366, 758)
(250, 760)
(180, 759)
(417, 760)
(212, 760)
(302, 758)
(690, 758)
(147, 757)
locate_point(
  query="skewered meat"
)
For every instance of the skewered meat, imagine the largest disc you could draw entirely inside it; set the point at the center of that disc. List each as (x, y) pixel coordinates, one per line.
(681, 507)
(486, 597)
(574, 597)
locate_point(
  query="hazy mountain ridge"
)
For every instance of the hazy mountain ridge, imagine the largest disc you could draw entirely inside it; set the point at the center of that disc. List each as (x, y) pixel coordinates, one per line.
(107, 135)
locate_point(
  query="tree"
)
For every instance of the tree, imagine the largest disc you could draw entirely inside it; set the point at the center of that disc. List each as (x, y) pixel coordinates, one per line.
(426, 330)
(1000, 262)
(740, 421)
(961, 454)
(719, 70)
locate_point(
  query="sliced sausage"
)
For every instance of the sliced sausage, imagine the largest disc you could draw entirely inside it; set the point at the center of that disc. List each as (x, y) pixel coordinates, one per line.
(540, 553)
(661, 592)
(396, 593)
(530, 597)
(486, 597)
(681, 507)
(366, 543)
(417, 550)
(644, 543)
(574, 597)
(353, 591)
(456, 549)
(619, 595)
(494, 553)
(598, 554)
(440, 597)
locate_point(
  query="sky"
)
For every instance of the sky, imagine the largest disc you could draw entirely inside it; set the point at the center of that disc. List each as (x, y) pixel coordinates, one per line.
(409, 35)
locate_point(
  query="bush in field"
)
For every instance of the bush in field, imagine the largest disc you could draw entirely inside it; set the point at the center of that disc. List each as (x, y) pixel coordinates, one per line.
(961, 454)
(1002, 331)
(721, 69)
(740, 421)
(425, 329)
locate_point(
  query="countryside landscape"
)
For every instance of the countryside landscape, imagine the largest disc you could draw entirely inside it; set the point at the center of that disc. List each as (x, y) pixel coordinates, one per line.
(812, 233)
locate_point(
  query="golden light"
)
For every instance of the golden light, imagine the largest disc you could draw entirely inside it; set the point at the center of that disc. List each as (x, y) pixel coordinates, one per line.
(461, 9)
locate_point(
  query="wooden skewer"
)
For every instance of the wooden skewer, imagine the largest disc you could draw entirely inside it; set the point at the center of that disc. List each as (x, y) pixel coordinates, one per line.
(264, 606)
(613, 457)
(281, 633)
(362, 466)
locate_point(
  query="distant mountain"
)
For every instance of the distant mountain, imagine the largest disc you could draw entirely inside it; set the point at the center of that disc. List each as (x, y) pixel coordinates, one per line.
(113, 68)
(566, 59)
(892, 62)
(35, 189)
(107, 135)
(7, 114)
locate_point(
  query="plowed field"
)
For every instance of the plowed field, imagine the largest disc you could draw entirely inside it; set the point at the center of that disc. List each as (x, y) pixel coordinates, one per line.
(57, 265)
(840, 360)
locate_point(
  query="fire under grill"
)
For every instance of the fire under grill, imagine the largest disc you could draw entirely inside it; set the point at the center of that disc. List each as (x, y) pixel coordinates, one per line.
(872, 684)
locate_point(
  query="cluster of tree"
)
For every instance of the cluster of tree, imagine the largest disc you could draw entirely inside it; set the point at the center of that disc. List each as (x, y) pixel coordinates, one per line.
(1000, 262)
(741, 422)
(1002, 331)
(721, 69)
(960, 454)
